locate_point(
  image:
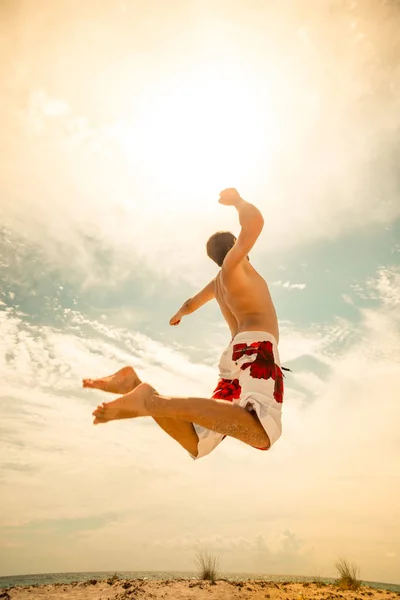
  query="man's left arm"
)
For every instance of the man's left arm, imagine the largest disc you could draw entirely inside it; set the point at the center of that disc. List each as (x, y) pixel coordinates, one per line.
(191, 305)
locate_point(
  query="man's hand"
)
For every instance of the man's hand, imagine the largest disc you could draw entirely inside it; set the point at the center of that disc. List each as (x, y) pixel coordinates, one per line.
(230, 197)
(176, 319)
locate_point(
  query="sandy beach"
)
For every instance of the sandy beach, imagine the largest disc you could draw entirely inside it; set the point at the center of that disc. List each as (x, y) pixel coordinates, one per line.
(125, 589)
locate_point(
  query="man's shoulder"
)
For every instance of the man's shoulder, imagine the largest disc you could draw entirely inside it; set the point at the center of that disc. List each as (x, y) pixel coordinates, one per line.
(244, 274)
(234, 274)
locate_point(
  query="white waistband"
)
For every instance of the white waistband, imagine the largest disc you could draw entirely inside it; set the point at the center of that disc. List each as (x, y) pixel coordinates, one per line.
(254, 336)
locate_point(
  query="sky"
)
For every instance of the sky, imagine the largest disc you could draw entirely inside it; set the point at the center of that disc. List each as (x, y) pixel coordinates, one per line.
(120, 122)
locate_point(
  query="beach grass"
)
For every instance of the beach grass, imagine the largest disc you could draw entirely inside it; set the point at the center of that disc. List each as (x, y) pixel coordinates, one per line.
(208, 565)
(318, 581)
(348, 575)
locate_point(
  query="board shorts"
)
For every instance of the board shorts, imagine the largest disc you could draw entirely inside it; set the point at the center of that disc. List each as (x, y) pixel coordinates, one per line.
(250, 375)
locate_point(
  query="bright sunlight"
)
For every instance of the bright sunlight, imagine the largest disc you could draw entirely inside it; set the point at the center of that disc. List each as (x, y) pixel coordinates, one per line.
(206, 128)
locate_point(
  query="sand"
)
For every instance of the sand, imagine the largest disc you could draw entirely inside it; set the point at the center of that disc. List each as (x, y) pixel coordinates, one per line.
(125, 589)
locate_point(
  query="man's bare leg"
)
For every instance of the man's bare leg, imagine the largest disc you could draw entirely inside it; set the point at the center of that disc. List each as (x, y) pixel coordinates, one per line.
(218, 415)
(124, 381)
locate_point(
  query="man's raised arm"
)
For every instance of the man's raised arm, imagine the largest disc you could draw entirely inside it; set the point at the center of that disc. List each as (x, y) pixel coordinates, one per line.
(251, 221)
(194, 303)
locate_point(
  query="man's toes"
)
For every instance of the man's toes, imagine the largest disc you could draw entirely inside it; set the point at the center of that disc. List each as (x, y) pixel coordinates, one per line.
(96, 384)
(92, 383)
(98, 420)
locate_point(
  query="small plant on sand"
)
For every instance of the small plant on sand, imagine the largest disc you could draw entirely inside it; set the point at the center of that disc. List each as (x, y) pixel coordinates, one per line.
(318, 581)
(348, 575)
(207, 565)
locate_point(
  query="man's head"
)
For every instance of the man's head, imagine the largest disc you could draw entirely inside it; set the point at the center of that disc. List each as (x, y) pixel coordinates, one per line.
(219, 245)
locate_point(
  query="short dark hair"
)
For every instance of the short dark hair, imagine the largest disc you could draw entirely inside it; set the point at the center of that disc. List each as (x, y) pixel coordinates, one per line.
(219, 245)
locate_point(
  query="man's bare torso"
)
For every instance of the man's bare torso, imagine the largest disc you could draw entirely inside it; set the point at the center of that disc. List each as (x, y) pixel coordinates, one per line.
(245, 301)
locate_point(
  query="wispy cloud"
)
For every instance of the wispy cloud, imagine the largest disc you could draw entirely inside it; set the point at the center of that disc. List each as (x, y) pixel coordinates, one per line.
(290, 286)
(48, 437)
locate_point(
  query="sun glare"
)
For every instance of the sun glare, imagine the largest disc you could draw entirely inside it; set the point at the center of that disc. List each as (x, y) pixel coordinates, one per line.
(204, 132)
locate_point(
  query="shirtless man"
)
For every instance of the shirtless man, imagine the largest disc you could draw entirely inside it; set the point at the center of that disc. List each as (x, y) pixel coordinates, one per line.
(247, 401)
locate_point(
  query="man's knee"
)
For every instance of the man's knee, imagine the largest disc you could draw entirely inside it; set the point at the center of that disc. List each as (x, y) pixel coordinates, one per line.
(264, 443)
(188, 439)
(261, 438)
(191, 445)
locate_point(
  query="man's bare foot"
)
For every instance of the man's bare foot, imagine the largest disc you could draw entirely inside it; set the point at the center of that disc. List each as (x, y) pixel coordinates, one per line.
(123, 381)
(130, 406)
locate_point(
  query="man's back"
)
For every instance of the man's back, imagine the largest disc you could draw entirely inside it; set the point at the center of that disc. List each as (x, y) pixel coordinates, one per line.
(245, 300)
(241, 292)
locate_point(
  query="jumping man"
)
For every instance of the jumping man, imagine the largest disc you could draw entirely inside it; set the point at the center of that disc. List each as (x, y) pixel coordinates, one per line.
(247, 401)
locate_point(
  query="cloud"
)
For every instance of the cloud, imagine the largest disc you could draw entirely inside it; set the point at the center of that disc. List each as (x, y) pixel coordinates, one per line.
(128, 190)
(41, 108)
(325, 459)
(347, 299)
(290, 286)
(279, 545)
(47, 434)
(386, 287)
